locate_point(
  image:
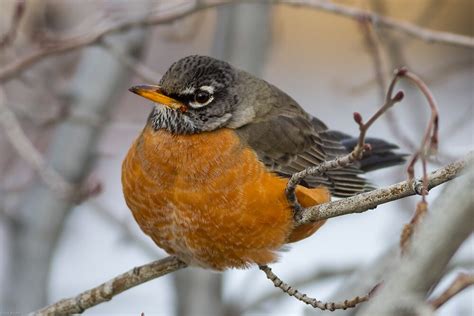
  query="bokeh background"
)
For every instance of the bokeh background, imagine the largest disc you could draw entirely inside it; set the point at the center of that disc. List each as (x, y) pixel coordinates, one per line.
(75, 109)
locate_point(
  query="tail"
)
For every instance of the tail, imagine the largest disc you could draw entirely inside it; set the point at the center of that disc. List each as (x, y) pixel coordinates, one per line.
(382, 154)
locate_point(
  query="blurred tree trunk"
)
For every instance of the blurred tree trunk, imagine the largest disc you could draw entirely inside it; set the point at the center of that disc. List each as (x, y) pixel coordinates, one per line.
(93, 92)
(199, 292)
(243, 35)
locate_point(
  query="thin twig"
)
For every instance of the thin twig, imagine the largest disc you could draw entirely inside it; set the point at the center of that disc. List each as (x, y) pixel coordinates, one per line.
(150, 249)
(332, 306)
(373, 46)
(364, 127)
(142, 71)
(429, 145)
(26, 150)
(23, 62)
(106, 291)
(409, 229)
(319, 275)
(462, 281)
(18, 14)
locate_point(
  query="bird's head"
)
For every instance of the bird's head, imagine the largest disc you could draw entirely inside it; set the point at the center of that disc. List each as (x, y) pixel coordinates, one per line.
(200, 93)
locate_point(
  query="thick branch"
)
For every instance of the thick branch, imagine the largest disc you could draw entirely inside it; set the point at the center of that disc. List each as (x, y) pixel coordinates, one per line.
(21, 63)
(435, 242)
(106, 291)
(369, 200)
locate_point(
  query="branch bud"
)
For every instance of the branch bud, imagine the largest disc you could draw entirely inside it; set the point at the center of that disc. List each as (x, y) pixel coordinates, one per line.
(399, 96)
(401, 71)
(358, 118)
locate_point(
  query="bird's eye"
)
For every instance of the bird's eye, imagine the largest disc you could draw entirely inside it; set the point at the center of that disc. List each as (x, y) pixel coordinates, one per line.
(202, 97)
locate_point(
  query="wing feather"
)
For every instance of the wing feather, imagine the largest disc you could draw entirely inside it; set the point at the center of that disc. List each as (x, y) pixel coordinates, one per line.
(290, 142)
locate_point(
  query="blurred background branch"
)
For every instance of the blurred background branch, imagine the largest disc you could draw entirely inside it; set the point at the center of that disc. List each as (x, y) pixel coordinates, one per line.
(98, 33)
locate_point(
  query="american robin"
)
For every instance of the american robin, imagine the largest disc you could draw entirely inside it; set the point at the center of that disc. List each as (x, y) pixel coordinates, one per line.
(206, 177)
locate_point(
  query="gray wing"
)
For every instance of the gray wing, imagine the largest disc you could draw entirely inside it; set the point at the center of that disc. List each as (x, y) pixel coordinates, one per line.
(291, 141)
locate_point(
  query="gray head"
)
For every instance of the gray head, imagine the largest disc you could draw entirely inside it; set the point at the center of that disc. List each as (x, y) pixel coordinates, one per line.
(200, 93)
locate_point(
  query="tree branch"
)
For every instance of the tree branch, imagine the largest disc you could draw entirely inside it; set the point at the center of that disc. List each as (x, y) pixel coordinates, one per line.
(123, 225)
(387, 22)
(106, 291)
(10, 35)
(27, 151)
(292, 291)
(373, 46)
(433, 245)
(91, 37)
(319, 275)
(462, 281)
(370, 200)
(141, 70)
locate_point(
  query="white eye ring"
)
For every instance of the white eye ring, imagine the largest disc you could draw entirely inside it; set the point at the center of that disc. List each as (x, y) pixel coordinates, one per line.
(207, 91)
(197, 105)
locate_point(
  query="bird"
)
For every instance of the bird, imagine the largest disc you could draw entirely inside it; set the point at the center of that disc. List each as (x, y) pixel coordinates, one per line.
(206, 177)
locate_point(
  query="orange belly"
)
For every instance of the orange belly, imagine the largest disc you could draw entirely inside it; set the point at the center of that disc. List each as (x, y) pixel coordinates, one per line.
(208, 200)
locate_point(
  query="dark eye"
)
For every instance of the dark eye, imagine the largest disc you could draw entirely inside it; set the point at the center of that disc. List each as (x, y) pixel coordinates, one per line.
(202, 97)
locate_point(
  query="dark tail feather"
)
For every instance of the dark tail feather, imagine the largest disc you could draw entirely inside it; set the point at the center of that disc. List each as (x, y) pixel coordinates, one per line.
(381, 156)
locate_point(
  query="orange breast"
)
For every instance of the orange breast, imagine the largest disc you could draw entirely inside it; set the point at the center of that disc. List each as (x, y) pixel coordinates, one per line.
(207, 199)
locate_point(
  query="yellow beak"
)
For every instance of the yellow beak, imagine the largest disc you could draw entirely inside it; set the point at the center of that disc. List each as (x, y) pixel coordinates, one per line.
(154, 94)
